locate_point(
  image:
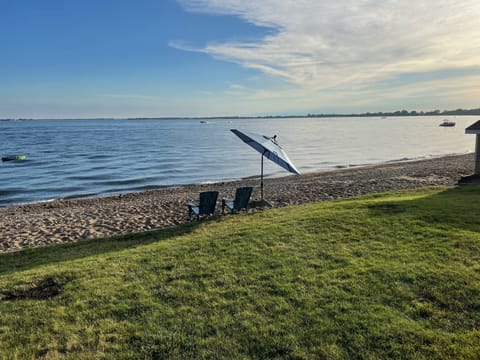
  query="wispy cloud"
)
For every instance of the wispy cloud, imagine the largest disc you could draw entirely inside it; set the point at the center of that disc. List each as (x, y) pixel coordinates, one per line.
(330, 45)
(128, 96)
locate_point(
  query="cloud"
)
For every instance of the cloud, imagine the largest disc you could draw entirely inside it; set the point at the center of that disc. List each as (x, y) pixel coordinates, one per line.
(319, 46)
(128, 96)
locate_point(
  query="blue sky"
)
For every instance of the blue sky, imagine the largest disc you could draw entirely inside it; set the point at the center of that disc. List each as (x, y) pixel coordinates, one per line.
(147, 58)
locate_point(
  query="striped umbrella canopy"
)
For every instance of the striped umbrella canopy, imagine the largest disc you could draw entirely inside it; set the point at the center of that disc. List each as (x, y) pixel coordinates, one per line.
(269, 148)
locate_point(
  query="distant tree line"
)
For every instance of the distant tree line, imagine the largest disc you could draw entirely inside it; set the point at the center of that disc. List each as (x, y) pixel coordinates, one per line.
(405, 113)
(367, 114)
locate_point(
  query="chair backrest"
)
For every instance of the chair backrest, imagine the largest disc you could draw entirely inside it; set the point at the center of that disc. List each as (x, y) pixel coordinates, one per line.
(208, 200)
(242, 197)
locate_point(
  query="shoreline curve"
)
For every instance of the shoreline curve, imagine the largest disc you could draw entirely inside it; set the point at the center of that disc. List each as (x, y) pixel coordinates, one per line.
(70, 220)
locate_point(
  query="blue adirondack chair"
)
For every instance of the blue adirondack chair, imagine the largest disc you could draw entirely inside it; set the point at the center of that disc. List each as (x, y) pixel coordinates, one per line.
(206, 206)
(242, 197)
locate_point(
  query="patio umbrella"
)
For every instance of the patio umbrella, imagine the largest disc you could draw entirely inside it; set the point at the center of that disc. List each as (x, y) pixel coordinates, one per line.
(269, 148)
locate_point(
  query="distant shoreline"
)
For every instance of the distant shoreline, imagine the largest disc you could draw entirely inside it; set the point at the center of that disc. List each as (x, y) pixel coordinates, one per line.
(398, 113)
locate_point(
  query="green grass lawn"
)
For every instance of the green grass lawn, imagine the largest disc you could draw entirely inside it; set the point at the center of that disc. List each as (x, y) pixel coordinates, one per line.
(384, 276)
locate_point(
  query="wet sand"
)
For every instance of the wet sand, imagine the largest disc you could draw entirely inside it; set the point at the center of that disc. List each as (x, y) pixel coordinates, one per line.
(74, 220)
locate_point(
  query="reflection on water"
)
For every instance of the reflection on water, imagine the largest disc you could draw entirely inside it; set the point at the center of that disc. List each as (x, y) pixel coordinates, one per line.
(71, 158)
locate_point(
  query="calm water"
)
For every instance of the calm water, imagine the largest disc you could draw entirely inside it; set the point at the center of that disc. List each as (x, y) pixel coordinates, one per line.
(75, 158)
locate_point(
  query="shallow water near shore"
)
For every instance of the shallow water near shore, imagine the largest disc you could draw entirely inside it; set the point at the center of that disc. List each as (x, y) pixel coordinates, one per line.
(79, 158)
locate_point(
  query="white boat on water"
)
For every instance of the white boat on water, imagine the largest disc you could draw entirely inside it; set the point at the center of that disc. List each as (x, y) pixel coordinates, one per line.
(447, 123)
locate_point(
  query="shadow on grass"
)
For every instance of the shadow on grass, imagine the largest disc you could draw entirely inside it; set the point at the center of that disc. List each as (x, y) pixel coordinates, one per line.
(455, 207)
(30, 258)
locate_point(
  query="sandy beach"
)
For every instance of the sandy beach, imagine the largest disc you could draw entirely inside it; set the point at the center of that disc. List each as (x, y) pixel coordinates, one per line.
(65, 221)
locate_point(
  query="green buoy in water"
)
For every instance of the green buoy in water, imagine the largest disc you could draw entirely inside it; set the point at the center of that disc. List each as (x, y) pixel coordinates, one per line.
(13, 157)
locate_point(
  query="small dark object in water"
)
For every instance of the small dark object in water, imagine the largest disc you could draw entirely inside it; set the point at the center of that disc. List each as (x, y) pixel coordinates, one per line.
(448, 123)
(13, 157)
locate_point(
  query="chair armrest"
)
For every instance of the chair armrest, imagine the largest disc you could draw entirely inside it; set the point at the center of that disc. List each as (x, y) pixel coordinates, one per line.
(228, 203)
(193, 209)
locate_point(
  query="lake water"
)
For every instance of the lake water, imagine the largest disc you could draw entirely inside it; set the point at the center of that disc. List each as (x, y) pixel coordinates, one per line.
(78, 158)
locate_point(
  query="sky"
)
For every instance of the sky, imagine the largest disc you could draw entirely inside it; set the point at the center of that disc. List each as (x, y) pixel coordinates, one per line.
(181, 58)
